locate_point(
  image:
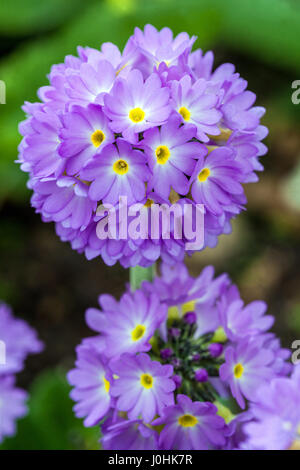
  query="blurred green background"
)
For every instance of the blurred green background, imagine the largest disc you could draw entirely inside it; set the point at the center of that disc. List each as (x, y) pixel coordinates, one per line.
(49, 284)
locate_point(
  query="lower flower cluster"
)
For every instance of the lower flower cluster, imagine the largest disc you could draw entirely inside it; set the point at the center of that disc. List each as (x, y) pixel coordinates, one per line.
(17, 340)
(184, 364)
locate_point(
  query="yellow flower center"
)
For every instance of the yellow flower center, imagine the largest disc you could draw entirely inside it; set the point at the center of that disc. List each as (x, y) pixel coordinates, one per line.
(136, 115)
(148, 203)
(121, 167)
(238, 370)
(187, 421)
(97, 138)
(147, 381)
(162, 154)
(204, 174)
(185, 113)
(138, 332)
(106, 384)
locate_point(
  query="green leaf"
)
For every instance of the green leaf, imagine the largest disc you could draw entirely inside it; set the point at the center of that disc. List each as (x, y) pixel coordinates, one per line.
(22, 17)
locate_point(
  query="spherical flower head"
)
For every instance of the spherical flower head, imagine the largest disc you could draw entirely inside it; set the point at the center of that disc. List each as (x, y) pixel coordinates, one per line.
(12, 406)
(276, 413)
(19, 340)
(134, 105)
(246, 367)
(124, 434)
(118, 171)
(190, 425)
(143, 387)
(170, 109)
(128, 325)
(91, 380)
(85, 133)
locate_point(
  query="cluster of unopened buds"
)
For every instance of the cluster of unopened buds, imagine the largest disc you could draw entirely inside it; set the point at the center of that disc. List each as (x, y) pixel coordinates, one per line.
(153, 124)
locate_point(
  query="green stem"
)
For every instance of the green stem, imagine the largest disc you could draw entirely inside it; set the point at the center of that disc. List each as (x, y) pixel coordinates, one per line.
(138, 274)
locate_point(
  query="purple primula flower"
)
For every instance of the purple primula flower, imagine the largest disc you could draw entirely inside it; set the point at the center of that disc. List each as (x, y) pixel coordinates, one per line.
(160, 46)
(90, 83)
(276, 413)
(92, 380)
(196, 107)
(64, 200)
(118, 171)
(241, 321)
(19, 340)
(190, 425)
(85, 133)
(12, 406)
(246, 367)
(38, 150)
(216, 181)
(172, 156)
(143, 387)
(128, 435)
(128, 325)
(134, 105)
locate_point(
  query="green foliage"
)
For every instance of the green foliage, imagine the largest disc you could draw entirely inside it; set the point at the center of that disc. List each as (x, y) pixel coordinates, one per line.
(22, 17)
(51, 424)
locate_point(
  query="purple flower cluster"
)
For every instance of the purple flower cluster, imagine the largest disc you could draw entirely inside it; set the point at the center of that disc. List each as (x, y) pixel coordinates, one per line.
(153, 123)
(17, 340)
(175, 364)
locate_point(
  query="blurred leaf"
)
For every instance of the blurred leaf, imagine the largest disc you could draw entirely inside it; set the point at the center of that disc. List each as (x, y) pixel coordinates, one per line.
(51, 423)
(19, 17)
(291, 189)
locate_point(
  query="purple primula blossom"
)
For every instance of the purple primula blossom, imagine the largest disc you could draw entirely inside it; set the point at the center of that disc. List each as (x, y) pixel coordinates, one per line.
(85, 133)
(171, 156)
(12, 406)
(160, 46)
(240, 321)
(134, 105)
(216, 181)
(91, 380)
(196, 107)
(276, 413)
(246, 367)
(190, 425)
(143, 387)
(127, 325)
(19, 340)
(64, 200)
(90, 83)
(38, 151)
(125, 434)
(118, 171)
